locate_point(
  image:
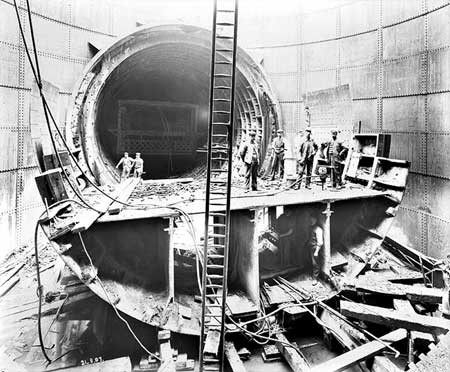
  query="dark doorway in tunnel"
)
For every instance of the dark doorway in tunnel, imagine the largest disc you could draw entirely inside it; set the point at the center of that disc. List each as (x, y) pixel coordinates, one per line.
(155, 103)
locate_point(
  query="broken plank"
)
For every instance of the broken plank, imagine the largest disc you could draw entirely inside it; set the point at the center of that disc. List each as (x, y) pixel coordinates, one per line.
(406, 307)
(412, 292)
(384, 364)
(361, 353)
(117, 365)
(212, 342)
(394, 318)
(124, 195)
(297, 362)
(233, 358)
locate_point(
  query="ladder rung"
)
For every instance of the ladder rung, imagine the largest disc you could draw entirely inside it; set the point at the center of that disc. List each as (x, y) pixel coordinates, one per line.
(214, 295)
(224, 37)
(225, 10)
(224, 50)
(216, 235)
(215, 266)
(220, 170)
(213, 305)
(217, 214)
(213, 286)
(218, 181)
(223, 63)
(222, 100)
(215, 256)
(221, 123)
(211, 368)
(220, 159)
(224, 24)
(214, 276)
(221, 112)
(216, 246)
(217, 225)
(221, 87)
(211, 360)
(220, 135)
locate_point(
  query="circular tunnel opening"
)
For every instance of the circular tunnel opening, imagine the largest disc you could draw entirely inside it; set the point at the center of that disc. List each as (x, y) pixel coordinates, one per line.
(148, 93)
(156, 103)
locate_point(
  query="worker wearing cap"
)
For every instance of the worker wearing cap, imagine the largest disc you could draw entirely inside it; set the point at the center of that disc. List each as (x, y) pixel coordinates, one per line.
(307, 151)
(250, 156)
(127, 163)
(335, 154)
(138, 165)
(278, 149)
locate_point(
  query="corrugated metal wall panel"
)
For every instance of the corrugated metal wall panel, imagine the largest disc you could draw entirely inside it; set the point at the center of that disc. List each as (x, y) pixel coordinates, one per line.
(366, 112)
(395, 11)
(438, 200)
(404, 114)
(8, 25)
(358, 16)
(439, 112)
(438, 165)
(363, 80)
(9, 60)
(438, 28)
(359, 50)
(439, 70)
(404, 39)
(439, 230)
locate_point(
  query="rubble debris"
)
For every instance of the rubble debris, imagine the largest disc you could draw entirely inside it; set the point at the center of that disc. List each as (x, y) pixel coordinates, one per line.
(233, 358)
(394, 318)
(364, 352)
(297, 362)
(270, 353)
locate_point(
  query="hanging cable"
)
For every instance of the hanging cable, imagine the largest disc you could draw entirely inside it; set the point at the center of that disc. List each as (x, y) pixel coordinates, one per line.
(37, 76)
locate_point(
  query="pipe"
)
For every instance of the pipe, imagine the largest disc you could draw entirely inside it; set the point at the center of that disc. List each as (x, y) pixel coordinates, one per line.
(147, 92)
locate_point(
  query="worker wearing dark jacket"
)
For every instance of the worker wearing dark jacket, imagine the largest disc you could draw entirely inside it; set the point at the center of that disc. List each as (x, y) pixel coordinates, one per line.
(335, 153)
(250, 156)
(278, 149)
(307, 151)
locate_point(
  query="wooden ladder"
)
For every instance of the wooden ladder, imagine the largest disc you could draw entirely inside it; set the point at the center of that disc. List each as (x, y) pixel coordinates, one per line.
(218, 184)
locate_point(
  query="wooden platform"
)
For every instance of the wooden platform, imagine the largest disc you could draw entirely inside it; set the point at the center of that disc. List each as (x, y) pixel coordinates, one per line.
(252, 200)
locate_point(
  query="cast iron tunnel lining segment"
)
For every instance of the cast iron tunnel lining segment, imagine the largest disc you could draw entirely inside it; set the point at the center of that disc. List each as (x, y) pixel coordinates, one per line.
(165, 69)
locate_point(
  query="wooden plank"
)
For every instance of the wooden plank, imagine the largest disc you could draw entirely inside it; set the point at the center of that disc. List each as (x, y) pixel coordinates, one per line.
(412, 292)
(131, 184)
(212, 342)
(394, 318)
(364, 352)
(384, 364)
(406, 307)
(6, 287)
(294, 359)
(117, 365)
(88, 216)
(11, 274)
(233, 358)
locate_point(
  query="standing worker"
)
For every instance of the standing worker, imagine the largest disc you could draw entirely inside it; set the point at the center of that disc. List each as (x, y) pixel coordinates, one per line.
(278, 149)
(336, 152)
(127, 164)
(250, 156)
(138, 165)
(307, 151)
(315, 245)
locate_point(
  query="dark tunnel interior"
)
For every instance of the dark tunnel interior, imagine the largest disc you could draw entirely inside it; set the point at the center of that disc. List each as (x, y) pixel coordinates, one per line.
(156, 103)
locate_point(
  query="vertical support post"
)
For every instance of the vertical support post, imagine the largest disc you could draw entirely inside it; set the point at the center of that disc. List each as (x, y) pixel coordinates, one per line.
(171, 260)
(410, 347)
(326, 268)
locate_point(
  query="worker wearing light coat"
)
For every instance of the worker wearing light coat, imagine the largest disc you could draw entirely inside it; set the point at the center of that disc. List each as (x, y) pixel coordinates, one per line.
(307, 151)
(250, 156)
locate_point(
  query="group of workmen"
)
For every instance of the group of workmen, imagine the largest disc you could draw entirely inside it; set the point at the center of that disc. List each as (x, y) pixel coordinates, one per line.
(128, 163)
(332, 151)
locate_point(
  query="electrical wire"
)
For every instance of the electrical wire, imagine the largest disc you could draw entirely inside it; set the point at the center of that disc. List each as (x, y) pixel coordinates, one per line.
(39, 292)
(37, 76)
